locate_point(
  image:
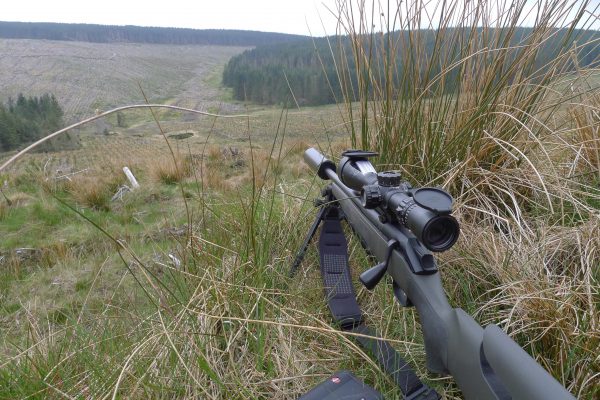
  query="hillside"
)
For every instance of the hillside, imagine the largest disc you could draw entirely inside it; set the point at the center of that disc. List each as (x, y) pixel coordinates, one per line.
(139, 34)
(95, 67)
(86, 77)
(268, 74)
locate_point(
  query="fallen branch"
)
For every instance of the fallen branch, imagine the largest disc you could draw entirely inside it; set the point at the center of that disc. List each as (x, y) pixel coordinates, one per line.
(68, 176)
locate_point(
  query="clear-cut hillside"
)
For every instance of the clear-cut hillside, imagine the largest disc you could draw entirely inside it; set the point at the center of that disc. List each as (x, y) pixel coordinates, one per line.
(86, 77)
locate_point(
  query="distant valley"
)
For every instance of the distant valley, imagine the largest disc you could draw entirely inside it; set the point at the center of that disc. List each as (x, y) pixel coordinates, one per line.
(86, 77)
(95, 67)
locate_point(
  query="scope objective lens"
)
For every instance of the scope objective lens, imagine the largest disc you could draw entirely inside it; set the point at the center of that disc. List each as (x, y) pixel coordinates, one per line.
(440, 233)
(437, 232)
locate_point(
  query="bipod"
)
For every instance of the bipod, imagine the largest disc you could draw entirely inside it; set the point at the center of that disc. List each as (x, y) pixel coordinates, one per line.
(326, 205)
(341, 297)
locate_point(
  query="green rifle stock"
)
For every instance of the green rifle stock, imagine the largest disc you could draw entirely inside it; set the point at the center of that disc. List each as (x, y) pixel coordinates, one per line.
(485, 362)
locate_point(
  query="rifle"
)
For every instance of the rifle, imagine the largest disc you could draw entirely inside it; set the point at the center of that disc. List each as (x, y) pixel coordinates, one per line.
(400, 226)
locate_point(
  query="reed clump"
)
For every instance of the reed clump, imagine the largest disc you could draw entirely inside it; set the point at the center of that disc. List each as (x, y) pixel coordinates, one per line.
(585, 138)
(90, 191)
(460, 95)
(169, 170)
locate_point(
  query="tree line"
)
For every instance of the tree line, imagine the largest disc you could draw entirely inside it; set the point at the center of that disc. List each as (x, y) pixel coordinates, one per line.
(139, 34)
(283, 73)
(28, 119)
(314, 71)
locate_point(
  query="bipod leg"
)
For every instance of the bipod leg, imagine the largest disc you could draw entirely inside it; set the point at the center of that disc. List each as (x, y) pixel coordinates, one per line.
(309, 236)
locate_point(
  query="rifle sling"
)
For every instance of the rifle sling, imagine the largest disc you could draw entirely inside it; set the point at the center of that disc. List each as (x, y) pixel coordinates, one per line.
(341, 297)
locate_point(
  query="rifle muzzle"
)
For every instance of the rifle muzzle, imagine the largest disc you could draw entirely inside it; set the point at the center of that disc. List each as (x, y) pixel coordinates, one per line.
(318, 163)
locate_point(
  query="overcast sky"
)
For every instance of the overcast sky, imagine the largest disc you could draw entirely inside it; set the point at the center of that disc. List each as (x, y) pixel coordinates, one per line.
(288, 16)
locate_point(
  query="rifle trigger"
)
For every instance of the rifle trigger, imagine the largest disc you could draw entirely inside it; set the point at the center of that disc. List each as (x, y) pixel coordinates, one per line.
(401, 296)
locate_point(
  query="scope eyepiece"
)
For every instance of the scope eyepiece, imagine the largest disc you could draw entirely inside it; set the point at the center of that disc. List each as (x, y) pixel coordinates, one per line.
(355, 170)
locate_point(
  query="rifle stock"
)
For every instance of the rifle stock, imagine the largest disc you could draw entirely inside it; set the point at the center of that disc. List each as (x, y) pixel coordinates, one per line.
(485, 363)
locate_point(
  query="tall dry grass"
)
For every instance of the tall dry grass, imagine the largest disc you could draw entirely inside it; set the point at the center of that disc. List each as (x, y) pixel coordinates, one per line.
(462, 97)
(585, 137)
(171, 170)
(224, 322)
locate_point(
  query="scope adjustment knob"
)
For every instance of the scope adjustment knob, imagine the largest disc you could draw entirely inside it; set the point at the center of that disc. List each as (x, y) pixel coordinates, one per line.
(371, 196)
(389, 179)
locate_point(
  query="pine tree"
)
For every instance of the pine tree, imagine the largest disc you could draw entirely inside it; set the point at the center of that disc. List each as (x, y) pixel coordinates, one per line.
(28, 119)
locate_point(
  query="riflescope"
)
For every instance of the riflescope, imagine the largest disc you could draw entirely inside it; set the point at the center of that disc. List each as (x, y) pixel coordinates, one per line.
(426, 212)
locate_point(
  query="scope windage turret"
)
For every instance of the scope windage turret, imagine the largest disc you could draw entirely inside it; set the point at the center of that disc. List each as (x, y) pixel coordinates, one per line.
(426, 212)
